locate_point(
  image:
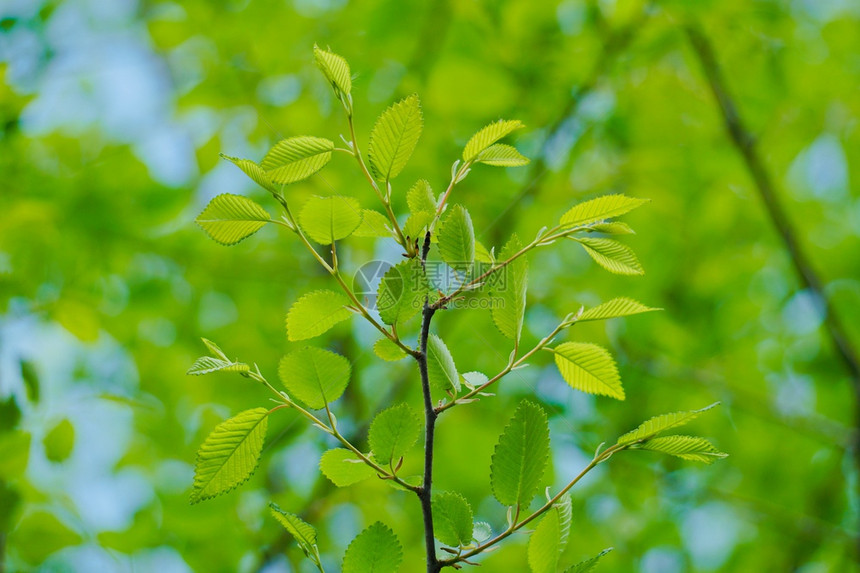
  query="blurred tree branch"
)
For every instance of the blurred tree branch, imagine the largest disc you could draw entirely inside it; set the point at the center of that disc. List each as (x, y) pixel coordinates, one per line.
(745, 143)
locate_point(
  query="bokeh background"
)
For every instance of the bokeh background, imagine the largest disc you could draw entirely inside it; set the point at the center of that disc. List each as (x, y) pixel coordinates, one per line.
(112, 116)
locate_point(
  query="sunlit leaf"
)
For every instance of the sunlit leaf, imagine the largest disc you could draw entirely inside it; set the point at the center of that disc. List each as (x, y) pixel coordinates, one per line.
(600, 208)
(402, 291)
(388, 351)
(296, 158)
(343, 468)
(228, 219)
(329, 219)
(589, 368)
(335, 69)
(230, 454)
(457, 239)
(207, 365)
(659, 424)
(508, 291)
(254, 171)
(394, 137)
(520, 457)
(315, 313)
(502, 155)
(615, 308)
(304, 533)
(315, 376)
(613, 256)
(440, 366)
(488, 135)
(373, 224)
(589, 564)
(420, 197)
(690, 448)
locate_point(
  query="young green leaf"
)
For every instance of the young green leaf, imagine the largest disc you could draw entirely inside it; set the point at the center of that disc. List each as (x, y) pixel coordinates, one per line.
(296, 158)
(373, 224)
(502, 155)
(388, 351)
(335, 69)
(508, 291)
(658, 424)
(402, 291)
(589, 368)
(207, 365)
(330, 219)
(589, 564)
(520, 457)
(375, 550)
(393, 432)
(304, 533)
(482, 531)
(457, 239)
(488, 136)
(615, 308)
(254, 171)
(452, 519)
(343, 468)
(228, 219)
(315, 313)
(394, 137)
(599, 209)
(441, 369)
(613, 256)
(483, 254)
(315, 376)
(545, 544)
(60, 441)
(420, 197)
(416, 224)
(612, 228)
(230, 454)
(550, 537)
(691, 448)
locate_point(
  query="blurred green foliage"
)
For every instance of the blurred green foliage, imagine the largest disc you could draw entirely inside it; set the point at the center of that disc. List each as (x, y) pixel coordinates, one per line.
(112, 115)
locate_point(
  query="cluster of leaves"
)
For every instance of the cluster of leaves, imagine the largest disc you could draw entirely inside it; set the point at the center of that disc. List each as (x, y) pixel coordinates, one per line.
(314, 378)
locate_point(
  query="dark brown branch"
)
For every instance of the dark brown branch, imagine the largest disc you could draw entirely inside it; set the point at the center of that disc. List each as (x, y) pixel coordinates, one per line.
(745, 143)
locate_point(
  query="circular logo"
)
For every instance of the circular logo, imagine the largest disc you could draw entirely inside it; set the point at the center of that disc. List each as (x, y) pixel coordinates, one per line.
(366, 285)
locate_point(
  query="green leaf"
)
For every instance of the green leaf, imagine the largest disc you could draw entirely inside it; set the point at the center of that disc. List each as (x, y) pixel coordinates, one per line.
(373, 224)
(589, 368)
(488, 136)
(545, 544)
(207, 365)
(316, 313)
(388, 351)
(588, 564)
(457, 239)
(613, 256)
(612, 228)
(440, 366)
(393, 432)
(599, 209)
(228, 219)
(254, 171)
(335, 69)
(375, 550)
(615, 308)
(691, 448)
(315, 376)
(452, 519)
(329, 219)
(508, 292)
(343, 468)
(60, 441)
(14, 454)
(520, 457)
(416, 224)
(230, 454)
(402, 291)
(502, 155)
(550, 537)
(296, 158)
(659, 424)
(420, 197)
(304, 533)
(483, 254)
(38, 535)
(394, 137)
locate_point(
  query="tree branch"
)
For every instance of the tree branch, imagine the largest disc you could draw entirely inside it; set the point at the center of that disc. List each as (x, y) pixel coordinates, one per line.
(745, 144)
